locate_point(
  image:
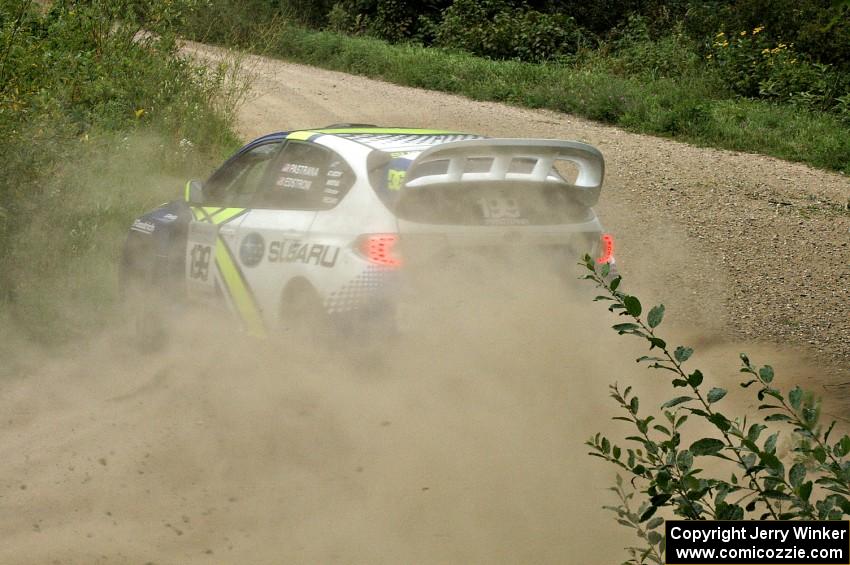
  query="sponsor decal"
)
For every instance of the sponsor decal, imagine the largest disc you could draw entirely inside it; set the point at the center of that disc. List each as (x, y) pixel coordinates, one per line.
(252, 249)
(299, 184)
(295, 251)
(169, 217)
(144, 227)
(305, 170)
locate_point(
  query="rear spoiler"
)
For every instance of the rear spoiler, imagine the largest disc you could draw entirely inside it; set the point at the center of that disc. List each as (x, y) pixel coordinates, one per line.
(544, 153)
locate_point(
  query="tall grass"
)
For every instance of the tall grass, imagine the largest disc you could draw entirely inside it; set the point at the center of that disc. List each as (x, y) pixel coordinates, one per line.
(98, 122)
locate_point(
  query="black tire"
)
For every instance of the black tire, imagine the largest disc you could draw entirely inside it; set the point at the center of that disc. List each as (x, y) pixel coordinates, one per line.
(302, 314)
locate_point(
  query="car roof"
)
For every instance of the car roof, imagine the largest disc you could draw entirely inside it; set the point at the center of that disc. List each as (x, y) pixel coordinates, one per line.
(391, 140)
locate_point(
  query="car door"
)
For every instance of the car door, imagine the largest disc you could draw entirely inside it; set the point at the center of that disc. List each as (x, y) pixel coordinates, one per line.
(274, 241)
(212, 271)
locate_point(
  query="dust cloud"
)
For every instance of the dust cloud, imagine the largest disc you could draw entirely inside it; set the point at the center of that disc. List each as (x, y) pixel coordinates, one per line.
(460, 441)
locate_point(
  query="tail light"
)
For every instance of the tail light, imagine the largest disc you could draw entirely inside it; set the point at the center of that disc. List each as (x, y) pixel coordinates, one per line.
(607, 249)
(380, 248)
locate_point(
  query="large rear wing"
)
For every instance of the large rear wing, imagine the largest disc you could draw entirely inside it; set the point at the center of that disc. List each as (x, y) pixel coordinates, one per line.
(497, 161)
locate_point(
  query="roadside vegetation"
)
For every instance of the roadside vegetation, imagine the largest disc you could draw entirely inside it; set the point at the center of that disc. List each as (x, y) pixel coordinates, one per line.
(98, 121)
(782, 463)
(767, 76)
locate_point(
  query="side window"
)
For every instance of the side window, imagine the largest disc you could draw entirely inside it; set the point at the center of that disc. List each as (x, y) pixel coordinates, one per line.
(305, 176)
(237, 183)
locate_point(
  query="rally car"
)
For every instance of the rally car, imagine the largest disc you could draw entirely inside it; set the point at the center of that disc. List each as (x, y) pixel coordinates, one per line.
(315, 225)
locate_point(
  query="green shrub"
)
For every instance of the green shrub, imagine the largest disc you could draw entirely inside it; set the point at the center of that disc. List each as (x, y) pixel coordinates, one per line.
(80, 86)
(753, 65)
(497, 29)
(666, 474)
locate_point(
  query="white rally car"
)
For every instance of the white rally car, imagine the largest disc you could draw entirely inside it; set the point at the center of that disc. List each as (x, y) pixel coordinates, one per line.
(314, 225)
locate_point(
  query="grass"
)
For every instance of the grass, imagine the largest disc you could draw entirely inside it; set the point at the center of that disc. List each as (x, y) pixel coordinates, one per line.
(689, 107)
(96, 126)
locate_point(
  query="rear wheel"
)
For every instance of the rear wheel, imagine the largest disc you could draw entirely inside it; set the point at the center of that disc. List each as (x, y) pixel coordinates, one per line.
(302, 314)
(144, 303)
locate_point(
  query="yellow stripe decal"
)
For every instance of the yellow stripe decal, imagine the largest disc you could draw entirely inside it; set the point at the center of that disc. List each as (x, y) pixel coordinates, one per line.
(186, 190)
(222, 215)
(301, 135)
(239, 292)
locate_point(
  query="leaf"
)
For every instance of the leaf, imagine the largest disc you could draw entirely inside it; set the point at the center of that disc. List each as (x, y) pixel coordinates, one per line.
(606, 445)
(656, 314)
(819, 454)
(623, 328)
(657, 342)
(797, 474)
(842, 448)
(806, 490)
(777, 418)
(680, 382)
(770, 443)
(754, 431)
(721, 421)
(682, 354)
(695, 378)
(633, 405)
(648, 358)
(615, 283)
(706, 446)
(676, 401)
(605, 270)
(654, 537)
(648, 513)
(716, 394)
(766, 373)
(795, 397)
(632, 305)
(685, 460)
(770, 461)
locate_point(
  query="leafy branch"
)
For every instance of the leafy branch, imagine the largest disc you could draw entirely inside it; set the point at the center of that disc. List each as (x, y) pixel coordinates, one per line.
(664, 472)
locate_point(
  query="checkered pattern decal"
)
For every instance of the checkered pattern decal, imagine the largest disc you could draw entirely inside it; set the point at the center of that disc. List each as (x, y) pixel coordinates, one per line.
(403, 142)
(358, 291)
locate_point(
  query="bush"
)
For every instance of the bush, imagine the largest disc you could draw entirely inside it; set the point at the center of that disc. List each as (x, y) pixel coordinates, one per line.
(79, 82)
(497, 29)
(754, 66)
(666, 474)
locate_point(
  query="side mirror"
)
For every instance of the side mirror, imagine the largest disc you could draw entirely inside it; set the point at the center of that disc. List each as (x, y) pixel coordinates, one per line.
(194, 192)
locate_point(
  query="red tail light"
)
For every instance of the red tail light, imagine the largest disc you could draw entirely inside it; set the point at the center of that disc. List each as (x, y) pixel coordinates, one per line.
(607, 249)
(379, 248)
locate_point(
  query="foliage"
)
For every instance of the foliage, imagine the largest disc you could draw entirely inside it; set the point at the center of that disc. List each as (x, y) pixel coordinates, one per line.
(753, 65)
(501, 30)
(80, 84)
(812, 482)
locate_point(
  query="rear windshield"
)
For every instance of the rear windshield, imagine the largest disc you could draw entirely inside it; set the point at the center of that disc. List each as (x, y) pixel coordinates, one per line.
(474, 202)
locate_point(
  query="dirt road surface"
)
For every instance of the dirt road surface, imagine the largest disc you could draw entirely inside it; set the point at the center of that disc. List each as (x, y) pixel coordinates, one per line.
(464, 448)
